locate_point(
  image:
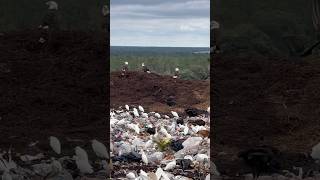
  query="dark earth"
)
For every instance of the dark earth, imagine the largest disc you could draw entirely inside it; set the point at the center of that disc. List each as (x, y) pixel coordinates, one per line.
(152, 91)
(52, 90)
(265, 101)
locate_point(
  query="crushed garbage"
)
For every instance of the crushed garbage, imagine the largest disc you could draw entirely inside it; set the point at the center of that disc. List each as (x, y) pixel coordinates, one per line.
(149, 145)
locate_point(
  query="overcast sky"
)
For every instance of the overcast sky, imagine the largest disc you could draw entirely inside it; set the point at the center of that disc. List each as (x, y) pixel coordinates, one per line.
(173, 23)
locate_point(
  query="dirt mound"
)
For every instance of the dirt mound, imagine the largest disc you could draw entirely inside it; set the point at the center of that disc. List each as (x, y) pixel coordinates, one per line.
(270, 101)
(57, 90)
(152, 91)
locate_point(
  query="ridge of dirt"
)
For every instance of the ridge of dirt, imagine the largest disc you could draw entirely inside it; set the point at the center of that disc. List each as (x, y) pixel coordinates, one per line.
(152, 90)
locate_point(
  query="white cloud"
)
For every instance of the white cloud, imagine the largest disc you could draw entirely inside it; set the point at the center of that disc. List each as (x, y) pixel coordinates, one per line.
(171, 23)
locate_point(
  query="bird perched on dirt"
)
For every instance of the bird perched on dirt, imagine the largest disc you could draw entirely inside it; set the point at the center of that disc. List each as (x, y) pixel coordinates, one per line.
(176, 73)
(144, 68)
(124, 68)
(215, 26)
(106, 19)
(261, 159)
(105, 10)
(49, 22)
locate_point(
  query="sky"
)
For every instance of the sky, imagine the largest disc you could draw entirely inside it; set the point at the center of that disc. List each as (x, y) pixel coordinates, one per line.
(168, 23)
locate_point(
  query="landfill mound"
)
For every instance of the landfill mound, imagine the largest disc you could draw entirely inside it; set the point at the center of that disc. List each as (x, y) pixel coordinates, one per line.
(56, 89)
(270, 101)
(152, 91)
(149, 143)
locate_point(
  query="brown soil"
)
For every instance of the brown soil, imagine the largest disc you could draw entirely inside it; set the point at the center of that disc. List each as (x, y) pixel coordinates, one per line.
(59, 90)
(269, 101)
(152, 90)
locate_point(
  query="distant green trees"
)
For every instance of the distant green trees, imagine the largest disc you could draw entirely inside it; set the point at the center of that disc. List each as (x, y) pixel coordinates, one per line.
(192, 66)
(73, 14)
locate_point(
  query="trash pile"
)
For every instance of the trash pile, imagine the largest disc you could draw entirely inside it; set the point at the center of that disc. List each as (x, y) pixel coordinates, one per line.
(148, 145)
(56, 165)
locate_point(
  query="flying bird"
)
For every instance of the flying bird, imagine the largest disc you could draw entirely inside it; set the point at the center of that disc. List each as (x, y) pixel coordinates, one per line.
(145, 69)
(55, 144)
(100, 149)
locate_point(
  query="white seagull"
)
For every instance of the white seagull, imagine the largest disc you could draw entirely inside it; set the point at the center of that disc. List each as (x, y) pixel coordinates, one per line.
(170, 165)
(105, 10)
(144, 157)
(81, 153)
(175, 114)
(134, 127)
(176, 74)
(135, 112)
(141, 109)
(83, 165)
(127, 107)
(157, 115)
(52, 5)
(131, 175)
(55, 144)
(315, 153)
(144, 115)
(100, 149)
